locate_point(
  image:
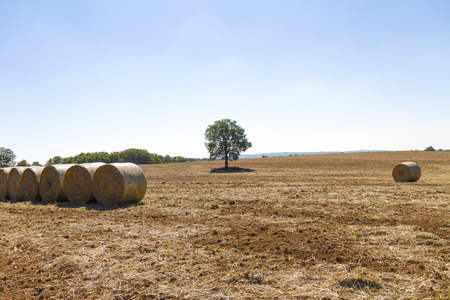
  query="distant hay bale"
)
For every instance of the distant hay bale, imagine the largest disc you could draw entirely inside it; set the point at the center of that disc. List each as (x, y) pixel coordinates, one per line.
(4, 183)
(29, 184)
(51, 183)
(406, 172)
(119, 184)
(14, 176)
(77, 183)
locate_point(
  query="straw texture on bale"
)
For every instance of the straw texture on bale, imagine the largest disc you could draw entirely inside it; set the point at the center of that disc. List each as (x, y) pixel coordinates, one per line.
(14, 176)
(77, 183)
(406, 172)
(51, 183)
(119, 184)
(29, 184)
(4, 183)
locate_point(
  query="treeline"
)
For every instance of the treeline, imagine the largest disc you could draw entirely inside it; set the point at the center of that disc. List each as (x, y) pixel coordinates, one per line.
(431, 148)
(137, 156)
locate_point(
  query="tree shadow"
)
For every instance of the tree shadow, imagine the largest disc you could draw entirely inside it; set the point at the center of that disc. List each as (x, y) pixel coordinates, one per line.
(231, 170)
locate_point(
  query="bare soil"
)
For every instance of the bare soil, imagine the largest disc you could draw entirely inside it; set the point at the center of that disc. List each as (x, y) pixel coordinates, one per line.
(302, 227)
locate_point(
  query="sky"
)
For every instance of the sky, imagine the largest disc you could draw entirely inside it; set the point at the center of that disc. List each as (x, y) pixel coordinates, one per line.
(324, 75)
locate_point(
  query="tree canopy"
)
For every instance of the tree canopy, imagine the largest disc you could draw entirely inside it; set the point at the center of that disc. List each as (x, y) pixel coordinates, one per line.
(23, 163)
(226, 140)
(7, 157)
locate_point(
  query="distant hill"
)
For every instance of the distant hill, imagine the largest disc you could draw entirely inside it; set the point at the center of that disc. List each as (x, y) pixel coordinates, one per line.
(275, 154)
(197, 159)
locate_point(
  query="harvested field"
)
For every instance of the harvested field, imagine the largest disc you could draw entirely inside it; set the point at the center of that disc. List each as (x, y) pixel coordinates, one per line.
(303, 227)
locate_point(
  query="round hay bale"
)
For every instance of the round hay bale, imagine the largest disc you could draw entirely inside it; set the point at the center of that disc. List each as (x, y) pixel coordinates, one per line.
(14, 176)
(4, 183)
(119, 184)
(51, 183)
(77, 183)
(406, 172)
(29, 184)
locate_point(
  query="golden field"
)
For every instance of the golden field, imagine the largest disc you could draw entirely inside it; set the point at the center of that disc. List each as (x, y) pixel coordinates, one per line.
(303, 227)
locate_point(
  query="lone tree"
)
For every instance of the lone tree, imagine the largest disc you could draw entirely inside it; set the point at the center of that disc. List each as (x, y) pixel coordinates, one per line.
(7, 157)
(226, 140)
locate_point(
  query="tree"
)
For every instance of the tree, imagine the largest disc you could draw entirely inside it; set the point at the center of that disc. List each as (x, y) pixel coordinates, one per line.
(226, 140)
(180, 159)
(7, 157)
(54, 161)
(36, 163)
(23, 163)
(114, 157)
(430, 148)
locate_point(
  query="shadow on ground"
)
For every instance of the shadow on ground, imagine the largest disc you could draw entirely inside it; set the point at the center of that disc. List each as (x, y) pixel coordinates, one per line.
(231, 170)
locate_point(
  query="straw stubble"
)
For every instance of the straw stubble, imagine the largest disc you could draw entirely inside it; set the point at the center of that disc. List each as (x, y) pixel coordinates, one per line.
(119, 184)
(77, 183)
(51, 183)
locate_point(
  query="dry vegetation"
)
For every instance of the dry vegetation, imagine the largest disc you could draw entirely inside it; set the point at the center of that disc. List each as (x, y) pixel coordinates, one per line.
(320, 227)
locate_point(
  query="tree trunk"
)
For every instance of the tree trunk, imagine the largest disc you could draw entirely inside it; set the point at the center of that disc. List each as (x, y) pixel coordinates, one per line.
(226, 155)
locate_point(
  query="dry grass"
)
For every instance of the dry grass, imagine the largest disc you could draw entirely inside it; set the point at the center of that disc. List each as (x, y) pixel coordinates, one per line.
(306, 227)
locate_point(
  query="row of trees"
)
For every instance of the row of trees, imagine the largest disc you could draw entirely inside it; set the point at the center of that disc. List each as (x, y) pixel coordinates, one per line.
(133, 155)
(224, 140)
(431, 148)
(137, 156)
(8, 157)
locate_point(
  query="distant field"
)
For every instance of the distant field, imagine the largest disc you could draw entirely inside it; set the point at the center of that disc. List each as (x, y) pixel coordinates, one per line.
(331, 226)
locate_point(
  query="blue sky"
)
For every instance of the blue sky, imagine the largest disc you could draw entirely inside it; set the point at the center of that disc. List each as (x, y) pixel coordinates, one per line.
(97, 75)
